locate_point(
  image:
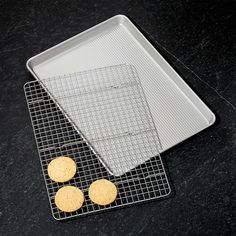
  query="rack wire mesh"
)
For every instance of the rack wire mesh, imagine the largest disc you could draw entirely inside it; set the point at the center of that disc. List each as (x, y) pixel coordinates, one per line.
(101, 119)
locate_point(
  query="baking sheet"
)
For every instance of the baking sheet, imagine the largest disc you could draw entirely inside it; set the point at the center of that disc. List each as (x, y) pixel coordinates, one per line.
(178, 113)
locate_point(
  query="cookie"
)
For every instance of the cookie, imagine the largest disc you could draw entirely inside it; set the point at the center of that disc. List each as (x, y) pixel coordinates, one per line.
(102, 192)
(62, 169)
(69, 198)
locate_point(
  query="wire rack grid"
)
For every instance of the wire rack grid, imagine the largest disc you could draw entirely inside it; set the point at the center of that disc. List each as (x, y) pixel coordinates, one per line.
(101, 119)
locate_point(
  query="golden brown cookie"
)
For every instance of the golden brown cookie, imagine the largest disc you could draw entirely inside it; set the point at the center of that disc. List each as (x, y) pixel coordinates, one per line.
(102, 192)
(69, 198)
(62, 169)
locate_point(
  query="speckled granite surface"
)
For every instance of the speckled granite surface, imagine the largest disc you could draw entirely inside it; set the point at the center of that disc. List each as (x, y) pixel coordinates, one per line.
(199, 33)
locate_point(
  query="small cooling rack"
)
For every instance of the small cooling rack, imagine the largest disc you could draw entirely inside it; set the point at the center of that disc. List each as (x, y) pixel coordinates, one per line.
(101, 119)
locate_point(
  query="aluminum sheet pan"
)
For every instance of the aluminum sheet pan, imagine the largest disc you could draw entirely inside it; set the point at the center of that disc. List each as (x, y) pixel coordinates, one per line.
(177, 111)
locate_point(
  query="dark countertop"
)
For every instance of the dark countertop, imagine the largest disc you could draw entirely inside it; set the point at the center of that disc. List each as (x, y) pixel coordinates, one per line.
(202, 168)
